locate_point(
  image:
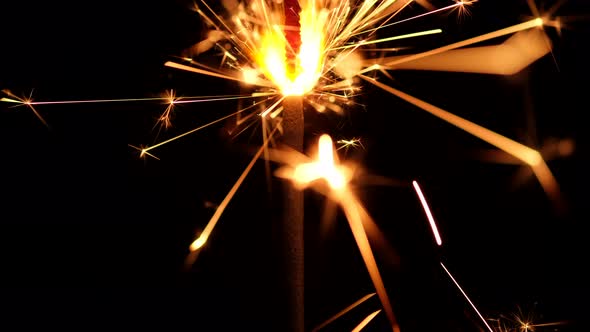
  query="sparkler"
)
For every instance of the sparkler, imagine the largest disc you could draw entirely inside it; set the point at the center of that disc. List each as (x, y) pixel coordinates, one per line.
(320, 72)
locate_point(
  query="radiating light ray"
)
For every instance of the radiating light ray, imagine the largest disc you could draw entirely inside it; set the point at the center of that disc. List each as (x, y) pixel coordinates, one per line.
(181, 100)
(349, 143)
(522, 322)
(195, 130)
(8, 100)
(202, 239)
(428, 213)
(522, 152)
(533, 8)
(466, 297)
(28, 102)
(537, 22)
(142, 152)
(354, 212)
(550, 150)
(508, 58)
(38, 115)
(211, 73)
(342, 312)
(94, 101)
(366, 321)
(272, 107)
(529, 156)
(382, 40)
(563, 322)
(416, 17)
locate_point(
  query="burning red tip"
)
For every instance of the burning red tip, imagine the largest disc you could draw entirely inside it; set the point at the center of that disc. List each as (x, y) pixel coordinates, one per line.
(292, 27)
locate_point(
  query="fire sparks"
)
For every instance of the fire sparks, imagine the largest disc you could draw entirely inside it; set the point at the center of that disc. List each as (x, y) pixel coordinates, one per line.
(322, 70)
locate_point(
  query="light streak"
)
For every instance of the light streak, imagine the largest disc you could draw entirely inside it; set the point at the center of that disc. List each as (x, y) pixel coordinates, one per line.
(8, 100)
(529, 156)
(144, 150)
(349, 143)
(418, 16)
(508, 58)
(26, 102)
(202, 239)
(466, 297)
(176, 65)
(382, 40)
(537, 22)
(366, 321)
(428, 213)
(343, 312)
(354, 211)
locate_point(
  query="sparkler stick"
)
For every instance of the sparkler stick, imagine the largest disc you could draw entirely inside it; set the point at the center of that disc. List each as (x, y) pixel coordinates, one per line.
(293, 213)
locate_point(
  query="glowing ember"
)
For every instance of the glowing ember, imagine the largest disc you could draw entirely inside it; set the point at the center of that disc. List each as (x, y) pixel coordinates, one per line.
(271, 52)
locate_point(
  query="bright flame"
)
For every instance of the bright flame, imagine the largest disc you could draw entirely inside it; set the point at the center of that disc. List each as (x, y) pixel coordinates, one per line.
(271, 53)
(323, 168)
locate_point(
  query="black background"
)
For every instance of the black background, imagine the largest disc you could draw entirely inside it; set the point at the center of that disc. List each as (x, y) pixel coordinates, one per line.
(91, 236)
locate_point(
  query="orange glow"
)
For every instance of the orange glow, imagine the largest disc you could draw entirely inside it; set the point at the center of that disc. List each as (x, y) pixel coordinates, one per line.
(324, 168)
(529, 156)
(365, 321)
(393, 63)
(508, 58)
(271, 52)
(520, 151)
(354, 212)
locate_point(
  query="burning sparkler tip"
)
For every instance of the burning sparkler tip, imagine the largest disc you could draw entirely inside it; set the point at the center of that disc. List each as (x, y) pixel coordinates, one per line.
(198, 243)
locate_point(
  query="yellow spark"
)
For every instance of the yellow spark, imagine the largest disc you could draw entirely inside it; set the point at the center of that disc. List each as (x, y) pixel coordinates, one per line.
(349, 143)
(529, 156)
(382, 40)
(200, 127)
(366, 321)
(28, 101)
(428, 213)
(457, 4)
(165, 118)
(172, 64)
(508, 58)
(202, 239)
(343, 312)
(8, 100)
(495, 34)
